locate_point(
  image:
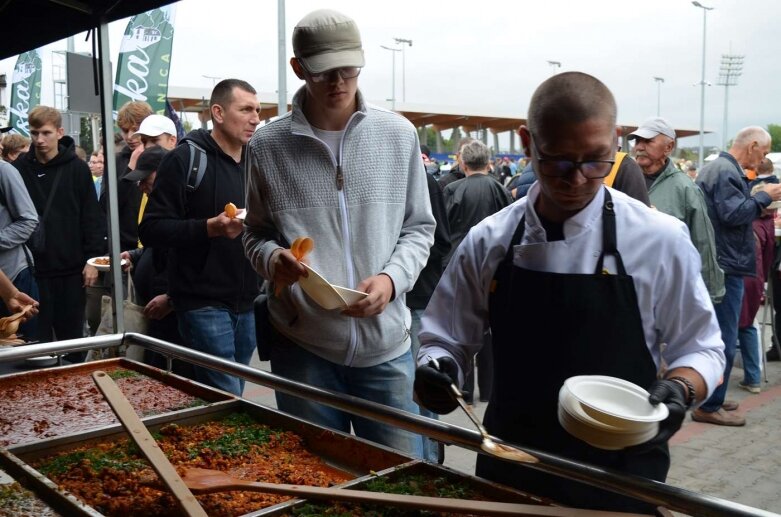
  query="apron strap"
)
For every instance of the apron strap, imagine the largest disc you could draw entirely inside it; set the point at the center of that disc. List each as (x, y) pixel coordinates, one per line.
(609, 242)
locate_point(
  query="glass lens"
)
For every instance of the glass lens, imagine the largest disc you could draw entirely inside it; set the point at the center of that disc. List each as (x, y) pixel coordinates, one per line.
(344, 73)
(590, 170)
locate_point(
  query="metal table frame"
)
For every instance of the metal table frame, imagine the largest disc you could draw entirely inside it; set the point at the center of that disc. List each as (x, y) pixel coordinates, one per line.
(658, 494)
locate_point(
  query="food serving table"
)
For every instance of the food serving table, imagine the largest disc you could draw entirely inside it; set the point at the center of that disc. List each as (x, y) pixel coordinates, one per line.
(16, 459)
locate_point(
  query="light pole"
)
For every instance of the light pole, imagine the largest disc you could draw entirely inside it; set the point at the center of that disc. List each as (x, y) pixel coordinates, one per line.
(403, 42)
(659, 81)
(393, 75)
(702, 82)
(731, 69)
(554, 66)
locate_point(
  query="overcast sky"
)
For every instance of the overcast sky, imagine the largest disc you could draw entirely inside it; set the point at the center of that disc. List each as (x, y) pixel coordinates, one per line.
(490, 55)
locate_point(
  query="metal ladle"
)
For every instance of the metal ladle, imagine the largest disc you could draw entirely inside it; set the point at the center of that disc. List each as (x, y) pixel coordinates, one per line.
(499, 450)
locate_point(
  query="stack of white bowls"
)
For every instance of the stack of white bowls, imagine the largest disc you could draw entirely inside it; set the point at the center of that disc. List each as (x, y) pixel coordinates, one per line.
(607, 412)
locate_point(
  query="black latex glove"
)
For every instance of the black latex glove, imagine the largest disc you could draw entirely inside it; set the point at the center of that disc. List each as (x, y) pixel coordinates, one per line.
(432, 385)
(673, 395)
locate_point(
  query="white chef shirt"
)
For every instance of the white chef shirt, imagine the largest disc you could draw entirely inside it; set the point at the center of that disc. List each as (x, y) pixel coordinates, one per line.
(657, 253)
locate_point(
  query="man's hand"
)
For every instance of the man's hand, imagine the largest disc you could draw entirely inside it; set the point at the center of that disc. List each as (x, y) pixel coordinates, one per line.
(432, 385)
(125, 255)
(131, 164)
(285, 268)
(19, 301)
(224, 226)
(773, 190)
(89, 275)
(158, 307)
(380, 290)
(673, 395)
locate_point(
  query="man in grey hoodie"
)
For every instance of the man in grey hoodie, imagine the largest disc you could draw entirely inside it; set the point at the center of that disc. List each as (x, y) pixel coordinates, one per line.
(349, 176)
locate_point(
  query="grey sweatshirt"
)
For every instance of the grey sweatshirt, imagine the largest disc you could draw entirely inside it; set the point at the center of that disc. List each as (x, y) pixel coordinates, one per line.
(380, 222)
(18, 220)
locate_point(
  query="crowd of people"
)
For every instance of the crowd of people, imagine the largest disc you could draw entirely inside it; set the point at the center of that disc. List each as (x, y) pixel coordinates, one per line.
(480, 264)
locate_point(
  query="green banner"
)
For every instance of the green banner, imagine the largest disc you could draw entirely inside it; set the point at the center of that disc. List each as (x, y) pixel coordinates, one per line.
(25, 90)
(144, 59)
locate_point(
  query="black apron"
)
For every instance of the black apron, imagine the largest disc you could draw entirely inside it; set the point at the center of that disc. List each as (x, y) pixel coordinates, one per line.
(546, 328)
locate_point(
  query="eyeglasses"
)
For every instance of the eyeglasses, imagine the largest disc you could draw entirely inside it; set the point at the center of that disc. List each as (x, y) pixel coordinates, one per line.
(347, 72)
(591, 169)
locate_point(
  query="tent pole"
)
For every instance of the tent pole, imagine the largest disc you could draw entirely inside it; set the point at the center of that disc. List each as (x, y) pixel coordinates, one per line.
(109, 153)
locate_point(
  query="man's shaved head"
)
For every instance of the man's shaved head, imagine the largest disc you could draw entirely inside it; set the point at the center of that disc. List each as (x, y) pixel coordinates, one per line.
(570, 97)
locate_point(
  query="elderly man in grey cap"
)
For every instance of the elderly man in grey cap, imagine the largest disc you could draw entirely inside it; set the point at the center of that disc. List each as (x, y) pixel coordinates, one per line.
(672, 192)
(348, 175)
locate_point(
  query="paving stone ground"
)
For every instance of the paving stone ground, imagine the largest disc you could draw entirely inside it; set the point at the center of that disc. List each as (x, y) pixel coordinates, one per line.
(741, 464)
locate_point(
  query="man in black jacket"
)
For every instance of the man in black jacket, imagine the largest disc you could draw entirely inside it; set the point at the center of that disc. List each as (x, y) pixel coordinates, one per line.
(211, 283)
(72, 225)
(455, 173)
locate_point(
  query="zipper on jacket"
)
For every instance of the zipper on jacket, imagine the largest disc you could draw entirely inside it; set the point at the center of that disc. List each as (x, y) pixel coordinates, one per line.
(353, 338)
(339, 177)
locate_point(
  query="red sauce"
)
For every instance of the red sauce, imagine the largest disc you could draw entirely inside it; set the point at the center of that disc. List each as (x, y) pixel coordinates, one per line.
(60, 403)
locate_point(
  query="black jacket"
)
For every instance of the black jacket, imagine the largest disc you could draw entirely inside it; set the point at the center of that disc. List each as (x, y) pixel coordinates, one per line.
(203, 272)
(469, 201)
(73, 225)
(428, 279)
(732, 210)
(454, 174)
(128, 201)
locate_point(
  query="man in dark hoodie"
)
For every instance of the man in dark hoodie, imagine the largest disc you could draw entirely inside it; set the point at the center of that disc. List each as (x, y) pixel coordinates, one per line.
(72, 225)
(211, 284)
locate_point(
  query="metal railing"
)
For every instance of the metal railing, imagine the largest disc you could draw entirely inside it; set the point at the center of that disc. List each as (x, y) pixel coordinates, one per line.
(646, 490)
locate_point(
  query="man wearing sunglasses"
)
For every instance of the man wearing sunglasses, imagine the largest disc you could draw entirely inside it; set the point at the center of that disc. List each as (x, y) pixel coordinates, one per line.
(596, 280)
(349, 176)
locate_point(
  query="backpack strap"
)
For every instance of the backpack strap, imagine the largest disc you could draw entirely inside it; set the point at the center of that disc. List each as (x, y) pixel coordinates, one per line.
(610, 178)
(197, 166)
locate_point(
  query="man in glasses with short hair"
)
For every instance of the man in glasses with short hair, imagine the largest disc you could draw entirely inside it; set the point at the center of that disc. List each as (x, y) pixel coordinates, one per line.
(574, 279)
(349, 176)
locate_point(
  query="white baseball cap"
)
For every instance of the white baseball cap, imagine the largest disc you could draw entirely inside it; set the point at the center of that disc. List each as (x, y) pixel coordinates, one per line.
(156, 125)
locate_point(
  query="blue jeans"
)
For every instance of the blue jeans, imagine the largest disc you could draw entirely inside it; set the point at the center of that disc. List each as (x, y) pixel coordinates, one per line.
(430, 447)
(388, 383)
(25, 282)
(728, 314)
(748, 339)
(222, 333)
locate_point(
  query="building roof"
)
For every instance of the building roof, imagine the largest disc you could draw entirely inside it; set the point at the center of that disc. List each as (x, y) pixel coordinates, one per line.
(440, 117)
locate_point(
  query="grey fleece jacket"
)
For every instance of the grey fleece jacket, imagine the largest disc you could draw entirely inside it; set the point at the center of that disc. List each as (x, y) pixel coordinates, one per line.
(379, 222)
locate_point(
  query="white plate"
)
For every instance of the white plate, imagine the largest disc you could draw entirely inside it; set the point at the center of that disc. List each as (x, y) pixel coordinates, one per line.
(600, 439)
(102, 267)
(319, 290)
(350, 296)
(241, 214)
(614, 401)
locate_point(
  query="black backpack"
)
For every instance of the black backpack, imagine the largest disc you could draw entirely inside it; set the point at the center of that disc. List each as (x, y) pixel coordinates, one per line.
(197, 166)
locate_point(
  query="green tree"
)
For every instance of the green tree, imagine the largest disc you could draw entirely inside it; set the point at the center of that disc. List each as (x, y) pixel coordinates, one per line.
(85, 135)
(775, 134)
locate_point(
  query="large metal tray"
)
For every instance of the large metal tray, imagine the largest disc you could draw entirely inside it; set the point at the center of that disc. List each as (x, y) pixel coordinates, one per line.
(24, 503)
(488, 489)
(342, 451)
(74, 418)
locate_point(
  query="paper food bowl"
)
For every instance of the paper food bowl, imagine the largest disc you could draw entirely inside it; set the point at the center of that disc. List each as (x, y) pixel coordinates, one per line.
(327, 295)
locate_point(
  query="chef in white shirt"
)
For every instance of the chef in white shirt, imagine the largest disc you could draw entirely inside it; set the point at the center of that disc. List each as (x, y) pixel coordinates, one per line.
(574, 279)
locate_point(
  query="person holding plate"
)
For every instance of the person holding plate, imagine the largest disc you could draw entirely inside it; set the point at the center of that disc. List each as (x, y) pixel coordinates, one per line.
(574, 279)
(348, 175)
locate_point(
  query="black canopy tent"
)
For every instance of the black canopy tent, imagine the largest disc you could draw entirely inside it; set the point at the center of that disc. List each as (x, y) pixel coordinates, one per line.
(29, 24)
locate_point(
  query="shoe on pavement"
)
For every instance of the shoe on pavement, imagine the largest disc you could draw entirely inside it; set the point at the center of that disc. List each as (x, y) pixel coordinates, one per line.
(772, 354)
(730, 405)
(751, 388)
(719, 417)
